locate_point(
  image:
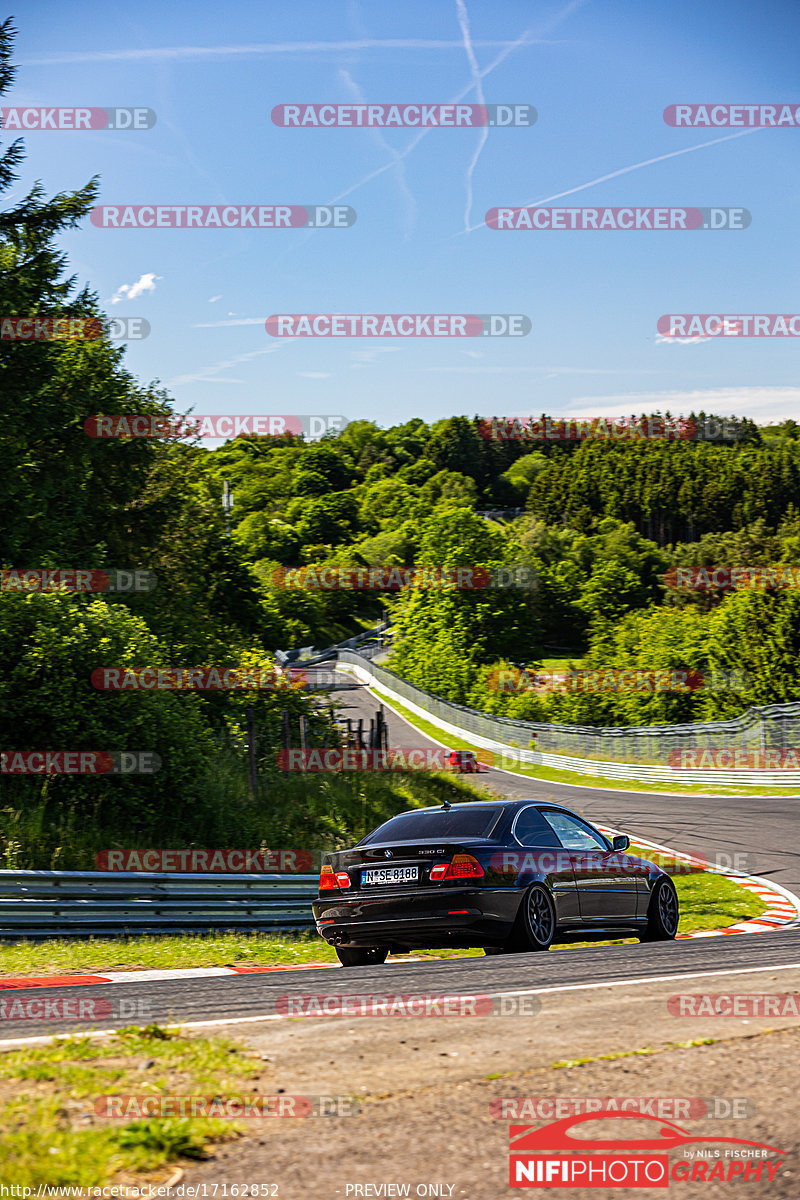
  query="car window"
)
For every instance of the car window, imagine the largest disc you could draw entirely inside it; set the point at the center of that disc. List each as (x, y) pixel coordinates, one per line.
(458, 822)
(531, 829)
(572, 833)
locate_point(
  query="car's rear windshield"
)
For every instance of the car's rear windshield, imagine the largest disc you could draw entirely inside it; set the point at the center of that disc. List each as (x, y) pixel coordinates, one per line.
(459, 822)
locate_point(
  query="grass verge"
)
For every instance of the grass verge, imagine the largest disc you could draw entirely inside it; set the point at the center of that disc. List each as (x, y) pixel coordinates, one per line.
(52, 1135)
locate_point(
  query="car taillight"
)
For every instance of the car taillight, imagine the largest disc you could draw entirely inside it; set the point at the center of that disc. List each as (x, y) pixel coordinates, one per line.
(343, 879)
(327, 879)
(462, 866)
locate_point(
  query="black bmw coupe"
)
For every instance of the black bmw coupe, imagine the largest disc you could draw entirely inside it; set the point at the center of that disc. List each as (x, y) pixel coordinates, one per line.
(506, 875)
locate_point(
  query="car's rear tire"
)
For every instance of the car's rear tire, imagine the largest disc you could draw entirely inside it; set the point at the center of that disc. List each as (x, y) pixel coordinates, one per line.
(537, 919)
(361, 956)
(662, 913)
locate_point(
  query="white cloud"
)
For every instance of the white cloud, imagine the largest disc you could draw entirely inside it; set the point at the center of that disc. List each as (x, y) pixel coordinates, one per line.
(260, 49)
(550, 372)
(400, 173)
(477, 79)
(362, 358)
(225, 324)
(214, 299)
(523, 40)
(661, 338)
(763, 403)
(130, 291)
(212, 374)
(648, 162)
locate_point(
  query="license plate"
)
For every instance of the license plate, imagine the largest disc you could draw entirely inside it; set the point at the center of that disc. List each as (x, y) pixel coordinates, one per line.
(378, 875)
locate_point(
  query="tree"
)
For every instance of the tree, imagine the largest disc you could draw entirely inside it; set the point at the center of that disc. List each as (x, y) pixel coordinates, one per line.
(62, 494)
(330, 519)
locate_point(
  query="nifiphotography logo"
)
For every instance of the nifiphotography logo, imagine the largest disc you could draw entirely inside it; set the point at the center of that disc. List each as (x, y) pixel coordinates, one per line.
(551, 1156)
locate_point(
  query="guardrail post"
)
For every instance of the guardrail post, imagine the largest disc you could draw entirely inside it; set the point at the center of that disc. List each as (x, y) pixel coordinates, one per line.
(251, 749)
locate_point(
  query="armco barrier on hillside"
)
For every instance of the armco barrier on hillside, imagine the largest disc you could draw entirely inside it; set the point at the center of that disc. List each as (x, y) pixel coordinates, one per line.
(627, 752)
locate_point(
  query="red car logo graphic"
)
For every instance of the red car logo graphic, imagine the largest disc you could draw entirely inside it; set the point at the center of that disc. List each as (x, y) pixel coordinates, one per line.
(528, 1139)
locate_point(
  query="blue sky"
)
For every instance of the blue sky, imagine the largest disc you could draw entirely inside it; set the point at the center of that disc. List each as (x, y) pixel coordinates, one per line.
(599, 72)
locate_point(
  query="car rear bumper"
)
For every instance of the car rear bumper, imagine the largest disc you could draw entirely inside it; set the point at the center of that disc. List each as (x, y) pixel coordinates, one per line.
(424, 918)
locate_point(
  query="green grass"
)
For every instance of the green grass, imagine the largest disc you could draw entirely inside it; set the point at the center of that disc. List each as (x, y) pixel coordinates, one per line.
(51, 1134)
(96, 955)
(90, 956)
(705, 897)
(707, 902)
(645, 1050)
(549, 775)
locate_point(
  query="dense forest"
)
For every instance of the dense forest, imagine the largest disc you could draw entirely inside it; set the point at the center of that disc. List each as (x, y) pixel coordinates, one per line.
(600, 584)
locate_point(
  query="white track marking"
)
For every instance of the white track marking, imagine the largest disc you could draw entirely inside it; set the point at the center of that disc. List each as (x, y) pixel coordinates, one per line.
(566, 987)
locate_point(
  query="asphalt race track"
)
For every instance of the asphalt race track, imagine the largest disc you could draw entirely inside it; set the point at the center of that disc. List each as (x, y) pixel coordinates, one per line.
(761, 827)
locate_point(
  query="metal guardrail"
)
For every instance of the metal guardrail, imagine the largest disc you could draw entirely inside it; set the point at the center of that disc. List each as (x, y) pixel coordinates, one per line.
(47, 904)
(294, 658)
(479, 728)
(773, 726)
(499, 514)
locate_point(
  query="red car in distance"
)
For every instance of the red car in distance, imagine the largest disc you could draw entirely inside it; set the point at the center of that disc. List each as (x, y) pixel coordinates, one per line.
(464, 761)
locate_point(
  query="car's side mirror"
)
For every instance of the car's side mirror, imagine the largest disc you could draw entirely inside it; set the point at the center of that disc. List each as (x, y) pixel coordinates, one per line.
(621, 842)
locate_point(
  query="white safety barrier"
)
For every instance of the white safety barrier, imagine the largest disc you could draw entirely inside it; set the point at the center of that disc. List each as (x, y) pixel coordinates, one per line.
(580, 766)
